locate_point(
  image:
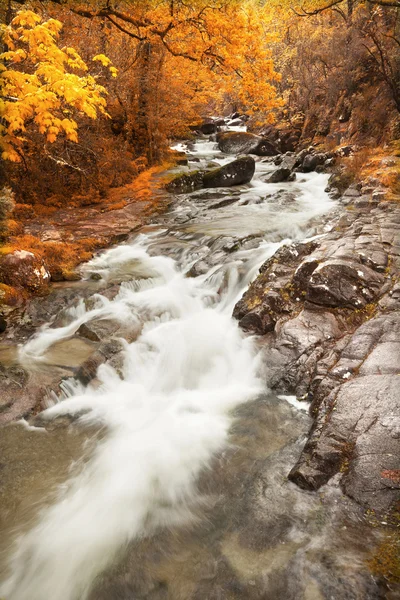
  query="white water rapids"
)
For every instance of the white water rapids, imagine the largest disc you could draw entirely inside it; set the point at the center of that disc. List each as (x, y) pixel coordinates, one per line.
(169, 413)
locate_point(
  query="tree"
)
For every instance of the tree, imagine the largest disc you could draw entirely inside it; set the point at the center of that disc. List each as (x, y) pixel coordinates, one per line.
(42, 86)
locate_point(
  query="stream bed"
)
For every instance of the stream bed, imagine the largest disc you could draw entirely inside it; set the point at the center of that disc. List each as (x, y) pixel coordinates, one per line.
(167, 478)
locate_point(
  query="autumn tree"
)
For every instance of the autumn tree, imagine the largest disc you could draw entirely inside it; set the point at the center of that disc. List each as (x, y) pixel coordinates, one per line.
(42, 85)
(225, 42)
(340, 66)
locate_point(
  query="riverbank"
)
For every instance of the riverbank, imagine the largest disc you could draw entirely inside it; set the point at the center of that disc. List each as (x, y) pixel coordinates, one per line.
(48, 245)
(151, 319)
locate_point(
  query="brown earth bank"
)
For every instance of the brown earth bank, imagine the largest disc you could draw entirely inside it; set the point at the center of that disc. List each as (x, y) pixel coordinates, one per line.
(48, 244)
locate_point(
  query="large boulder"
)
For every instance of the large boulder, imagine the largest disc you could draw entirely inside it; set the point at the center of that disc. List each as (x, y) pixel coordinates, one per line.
(242, 142)
(23, 269)
(346, 284)
(238, 172)
(186, 183)
(312, 161)
(208, 128)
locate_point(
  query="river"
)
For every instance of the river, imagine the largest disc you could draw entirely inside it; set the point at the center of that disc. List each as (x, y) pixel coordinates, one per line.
(177, 489)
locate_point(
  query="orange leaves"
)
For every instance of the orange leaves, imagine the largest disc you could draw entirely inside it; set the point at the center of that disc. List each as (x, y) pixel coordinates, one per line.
(40, 89)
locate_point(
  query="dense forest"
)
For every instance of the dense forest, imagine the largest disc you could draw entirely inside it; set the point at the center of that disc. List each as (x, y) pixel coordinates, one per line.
(93, 93)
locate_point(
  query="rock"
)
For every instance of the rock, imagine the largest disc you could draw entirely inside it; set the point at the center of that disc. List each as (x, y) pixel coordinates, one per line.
(23, 269)
(281, 174)
(340, 283)
(103, 329)
(3, 324)
(208, 128)
(236, 123)
(261, 319)
(23, 393)
(88, 370)
(180, 158)
(223, 203)
(241, 142)
(238, 172)
(96, 331)
(312, 161)
(186, 183)
(303, 273)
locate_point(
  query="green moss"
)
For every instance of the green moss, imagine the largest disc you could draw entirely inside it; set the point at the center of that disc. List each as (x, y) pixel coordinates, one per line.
(385, 562)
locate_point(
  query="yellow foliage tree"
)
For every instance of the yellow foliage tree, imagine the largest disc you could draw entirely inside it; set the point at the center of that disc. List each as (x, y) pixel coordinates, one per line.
(229, 38)
(43, 86)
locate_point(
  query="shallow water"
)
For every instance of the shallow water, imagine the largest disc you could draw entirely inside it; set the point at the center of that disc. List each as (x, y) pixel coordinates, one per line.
(185, 494)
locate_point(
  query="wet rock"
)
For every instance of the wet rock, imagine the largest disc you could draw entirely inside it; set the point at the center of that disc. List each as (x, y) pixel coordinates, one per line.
(97, 331)
(236, 123)
(312, 161)
(339, 181)
(237, 142)
(208, 128)
(301, 277)
(186, 183)
(238, 172)
(24, 269)
(23, 392)
(199, 268)
(88, 370)
(180, 158)
(281, 174)
(103, 329)
(223, 203)
(340, 283)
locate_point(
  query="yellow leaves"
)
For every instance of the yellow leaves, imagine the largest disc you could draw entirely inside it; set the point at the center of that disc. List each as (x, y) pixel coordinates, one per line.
(26, 18)
(13, 56)
(40, 90)
(105, 61)
(10, 155)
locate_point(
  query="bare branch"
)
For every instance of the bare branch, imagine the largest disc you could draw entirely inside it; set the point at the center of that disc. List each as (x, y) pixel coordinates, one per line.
(306, 13)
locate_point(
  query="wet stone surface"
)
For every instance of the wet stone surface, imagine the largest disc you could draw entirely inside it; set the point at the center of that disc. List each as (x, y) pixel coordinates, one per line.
(343, 287)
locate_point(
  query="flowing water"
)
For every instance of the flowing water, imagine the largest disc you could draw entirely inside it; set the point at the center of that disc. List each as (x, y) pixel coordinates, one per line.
(184, 493)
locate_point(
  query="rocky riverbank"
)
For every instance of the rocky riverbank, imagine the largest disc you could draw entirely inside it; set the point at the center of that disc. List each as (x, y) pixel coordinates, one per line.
(327, 309)
(329, 313)
(144, 348)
